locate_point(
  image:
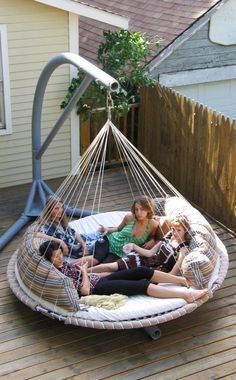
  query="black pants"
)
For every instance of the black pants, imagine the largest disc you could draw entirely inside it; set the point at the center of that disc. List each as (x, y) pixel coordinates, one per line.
(101, 252)
(129, 282)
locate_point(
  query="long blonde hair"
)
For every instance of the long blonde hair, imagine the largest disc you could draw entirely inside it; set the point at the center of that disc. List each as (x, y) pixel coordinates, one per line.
(182, 220)
(46, 215)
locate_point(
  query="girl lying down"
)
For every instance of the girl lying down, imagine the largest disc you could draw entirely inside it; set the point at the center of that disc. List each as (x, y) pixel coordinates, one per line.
(129, 282)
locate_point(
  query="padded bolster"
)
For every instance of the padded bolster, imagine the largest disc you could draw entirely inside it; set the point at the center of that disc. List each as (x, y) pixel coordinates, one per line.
(42, 278)
(205, 232)
(176, 205)
(199, 244)
(159, 204)
(197, 268)
(199, 263)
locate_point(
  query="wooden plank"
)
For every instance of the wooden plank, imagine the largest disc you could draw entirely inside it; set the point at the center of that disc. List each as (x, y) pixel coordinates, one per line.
(53, 359)
(118, 353)
(222, 371)
(154, 361)
(33, 346)
(186, 370)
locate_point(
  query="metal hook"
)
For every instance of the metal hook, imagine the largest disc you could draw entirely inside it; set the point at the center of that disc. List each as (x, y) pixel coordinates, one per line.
(110, 104)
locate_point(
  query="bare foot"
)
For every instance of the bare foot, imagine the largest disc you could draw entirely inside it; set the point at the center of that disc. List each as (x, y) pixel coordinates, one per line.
(194, 294)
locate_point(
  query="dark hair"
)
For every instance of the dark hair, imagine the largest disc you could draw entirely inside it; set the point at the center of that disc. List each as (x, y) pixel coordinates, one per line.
(146, 202)
(47, 248)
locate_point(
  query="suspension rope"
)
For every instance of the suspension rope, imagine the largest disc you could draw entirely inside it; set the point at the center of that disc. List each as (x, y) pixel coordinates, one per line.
(86, 179)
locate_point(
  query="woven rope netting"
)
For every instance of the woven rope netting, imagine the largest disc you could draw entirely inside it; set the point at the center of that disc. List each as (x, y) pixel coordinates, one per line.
(87, 177)
(83, 188)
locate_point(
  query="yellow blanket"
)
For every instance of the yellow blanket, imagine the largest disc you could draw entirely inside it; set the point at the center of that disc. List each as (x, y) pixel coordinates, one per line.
(114, 301)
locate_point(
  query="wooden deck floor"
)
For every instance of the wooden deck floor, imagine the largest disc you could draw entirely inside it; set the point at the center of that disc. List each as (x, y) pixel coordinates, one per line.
(201, 345)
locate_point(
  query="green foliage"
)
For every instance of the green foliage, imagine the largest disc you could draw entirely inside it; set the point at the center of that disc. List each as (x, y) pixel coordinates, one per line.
(123, 55)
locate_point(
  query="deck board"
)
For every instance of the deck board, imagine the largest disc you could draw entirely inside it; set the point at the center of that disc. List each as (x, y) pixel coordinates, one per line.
(199, 345)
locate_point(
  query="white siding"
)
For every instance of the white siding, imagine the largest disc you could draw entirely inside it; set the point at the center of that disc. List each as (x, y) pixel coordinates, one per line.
(5, 98)
(36, 33)
(218, 95)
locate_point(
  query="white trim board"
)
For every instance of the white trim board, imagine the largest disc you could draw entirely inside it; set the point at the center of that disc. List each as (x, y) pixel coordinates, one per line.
(6, 81)
(183, 78)
(89, 11)
(74, 118)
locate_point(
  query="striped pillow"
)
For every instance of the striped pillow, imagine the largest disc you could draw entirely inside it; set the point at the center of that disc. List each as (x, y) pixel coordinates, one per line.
(204, 232)
(199, 263)
(42, 278)
(199, 244)
(197, 269)
(159, 206)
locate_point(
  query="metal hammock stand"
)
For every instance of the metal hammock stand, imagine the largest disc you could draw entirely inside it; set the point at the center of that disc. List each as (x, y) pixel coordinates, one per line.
(39, 189)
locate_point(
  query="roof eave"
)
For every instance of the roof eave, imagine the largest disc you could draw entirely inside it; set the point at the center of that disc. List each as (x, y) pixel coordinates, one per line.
(168, 50)
(88, 11)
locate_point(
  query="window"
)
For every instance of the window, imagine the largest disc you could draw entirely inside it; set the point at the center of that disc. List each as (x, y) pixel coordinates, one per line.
(5, 104)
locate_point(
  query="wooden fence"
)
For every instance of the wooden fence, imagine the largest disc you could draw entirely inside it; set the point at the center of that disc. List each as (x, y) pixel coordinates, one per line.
(193, 147)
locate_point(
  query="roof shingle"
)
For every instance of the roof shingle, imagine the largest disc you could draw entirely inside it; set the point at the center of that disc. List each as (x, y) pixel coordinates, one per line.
(165, 18)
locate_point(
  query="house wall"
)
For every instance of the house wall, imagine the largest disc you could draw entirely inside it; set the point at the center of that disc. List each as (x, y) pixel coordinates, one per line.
(217, 95)
(203, 71)
(198, 52)
(36, 33)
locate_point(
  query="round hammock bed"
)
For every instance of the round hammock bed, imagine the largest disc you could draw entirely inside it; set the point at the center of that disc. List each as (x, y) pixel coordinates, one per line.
(39, 285)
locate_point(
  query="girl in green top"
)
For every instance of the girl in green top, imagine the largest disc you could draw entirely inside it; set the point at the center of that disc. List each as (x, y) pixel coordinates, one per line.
(138, 227)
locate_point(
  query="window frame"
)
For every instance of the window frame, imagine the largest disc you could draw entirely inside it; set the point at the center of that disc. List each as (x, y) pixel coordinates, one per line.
(6, 98)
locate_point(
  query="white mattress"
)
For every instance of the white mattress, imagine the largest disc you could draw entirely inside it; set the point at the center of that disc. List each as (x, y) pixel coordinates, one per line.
(91, 223)
(136, 306)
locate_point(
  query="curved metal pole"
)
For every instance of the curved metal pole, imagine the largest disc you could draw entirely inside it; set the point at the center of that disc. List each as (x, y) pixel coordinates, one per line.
(39, 190)
(92, 71)
(84, 85)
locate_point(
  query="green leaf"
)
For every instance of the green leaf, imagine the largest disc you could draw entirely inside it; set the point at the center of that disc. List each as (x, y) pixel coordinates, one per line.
(123, 55)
